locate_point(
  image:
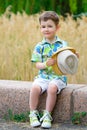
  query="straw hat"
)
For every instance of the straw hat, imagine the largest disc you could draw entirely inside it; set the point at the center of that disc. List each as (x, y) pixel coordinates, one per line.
(66, 61)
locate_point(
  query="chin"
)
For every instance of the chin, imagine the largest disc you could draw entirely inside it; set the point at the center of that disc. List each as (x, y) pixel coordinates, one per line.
(48, 37)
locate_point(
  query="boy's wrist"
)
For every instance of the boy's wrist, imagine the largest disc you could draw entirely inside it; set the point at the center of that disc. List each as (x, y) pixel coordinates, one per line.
(45, 64)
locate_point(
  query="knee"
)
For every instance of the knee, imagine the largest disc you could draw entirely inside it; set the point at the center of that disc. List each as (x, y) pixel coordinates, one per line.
(35, 88)
(52, 89)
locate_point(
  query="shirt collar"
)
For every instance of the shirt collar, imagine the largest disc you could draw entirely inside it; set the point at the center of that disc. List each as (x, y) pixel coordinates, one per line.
(44, 41)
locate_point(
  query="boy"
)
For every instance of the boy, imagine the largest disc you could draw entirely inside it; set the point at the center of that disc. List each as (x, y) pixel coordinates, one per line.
(47, 79)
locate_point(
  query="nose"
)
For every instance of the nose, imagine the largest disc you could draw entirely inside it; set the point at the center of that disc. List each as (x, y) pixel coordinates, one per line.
(46, 29)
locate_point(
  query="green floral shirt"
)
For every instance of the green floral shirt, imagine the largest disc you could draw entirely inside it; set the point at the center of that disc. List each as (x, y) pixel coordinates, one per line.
(44, 50)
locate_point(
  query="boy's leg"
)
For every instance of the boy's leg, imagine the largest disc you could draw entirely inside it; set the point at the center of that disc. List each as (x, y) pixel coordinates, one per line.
(39, 86)
(54, 88)
(50, 103)
(33, 102)
(51, 97)
(34, 97)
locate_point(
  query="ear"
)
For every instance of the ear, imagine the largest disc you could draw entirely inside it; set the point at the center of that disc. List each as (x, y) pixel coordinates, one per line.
(58, 26)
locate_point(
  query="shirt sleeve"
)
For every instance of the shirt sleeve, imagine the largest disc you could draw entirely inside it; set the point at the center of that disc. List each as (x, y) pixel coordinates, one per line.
(37, 54)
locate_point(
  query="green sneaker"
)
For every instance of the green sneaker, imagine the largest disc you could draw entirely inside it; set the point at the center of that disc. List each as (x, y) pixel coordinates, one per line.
(46, 120)
(34, 118)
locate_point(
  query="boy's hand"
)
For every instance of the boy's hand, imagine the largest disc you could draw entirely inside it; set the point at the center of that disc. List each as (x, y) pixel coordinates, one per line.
(77, 54)
(50, 62)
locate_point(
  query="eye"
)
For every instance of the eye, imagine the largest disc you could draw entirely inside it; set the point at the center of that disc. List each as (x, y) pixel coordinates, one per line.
(50, 26)
(42, 26)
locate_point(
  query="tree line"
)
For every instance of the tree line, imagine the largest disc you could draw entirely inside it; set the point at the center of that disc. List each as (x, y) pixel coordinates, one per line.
(34, 6)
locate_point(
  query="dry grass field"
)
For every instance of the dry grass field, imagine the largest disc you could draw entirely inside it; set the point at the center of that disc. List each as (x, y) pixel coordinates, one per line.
(20, 33)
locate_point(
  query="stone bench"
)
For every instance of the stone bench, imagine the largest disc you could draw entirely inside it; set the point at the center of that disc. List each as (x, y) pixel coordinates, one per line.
(14, 95)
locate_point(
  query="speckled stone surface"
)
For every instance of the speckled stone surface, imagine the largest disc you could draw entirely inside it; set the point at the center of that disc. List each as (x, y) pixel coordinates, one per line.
(14, 95)
(80, 99)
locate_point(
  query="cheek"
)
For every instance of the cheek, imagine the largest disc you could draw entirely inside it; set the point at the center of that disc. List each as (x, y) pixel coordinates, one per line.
(55, 30)
(52, 31)
(42, 31)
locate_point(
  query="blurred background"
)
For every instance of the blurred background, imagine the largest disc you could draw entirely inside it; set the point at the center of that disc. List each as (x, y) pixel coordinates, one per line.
(20, 32)
(32, 6)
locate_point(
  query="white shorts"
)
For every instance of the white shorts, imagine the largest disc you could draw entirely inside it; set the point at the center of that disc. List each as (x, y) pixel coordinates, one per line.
(44, 83)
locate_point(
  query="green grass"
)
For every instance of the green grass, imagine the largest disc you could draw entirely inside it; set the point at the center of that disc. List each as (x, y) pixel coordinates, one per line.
(77, 117)
(22, 117)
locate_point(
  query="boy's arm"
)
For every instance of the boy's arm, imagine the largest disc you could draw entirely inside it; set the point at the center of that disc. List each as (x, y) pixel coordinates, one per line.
(40, 65)
(44, 65)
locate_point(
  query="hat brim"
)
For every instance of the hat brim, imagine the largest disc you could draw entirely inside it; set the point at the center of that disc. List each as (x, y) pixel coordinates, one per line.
(54, 56)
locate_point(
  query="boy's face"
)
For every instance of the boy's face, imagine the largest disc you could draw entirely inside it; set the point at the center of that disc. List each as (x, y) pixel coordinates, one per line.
(48, 29)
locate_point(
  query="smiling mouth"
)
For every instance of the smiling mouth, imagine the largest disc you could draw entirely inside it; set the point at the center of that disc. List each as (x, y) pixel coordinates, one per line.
(47, 33)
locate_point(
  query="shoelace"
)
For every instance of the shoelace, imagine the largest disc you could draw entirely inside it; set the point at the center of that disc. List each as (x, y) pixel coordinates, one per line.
(46, 115)
(34, 114)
